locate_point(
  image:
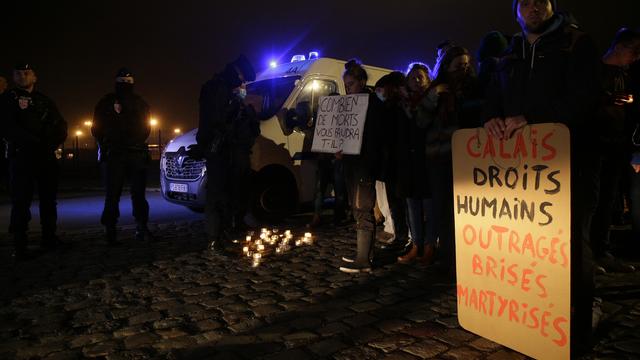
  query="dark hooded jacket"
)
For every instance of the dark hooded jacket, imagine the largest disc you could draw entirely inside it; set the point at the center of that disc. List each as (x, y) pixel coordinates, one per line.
(551, 80)
(32, 122)
(224, 119)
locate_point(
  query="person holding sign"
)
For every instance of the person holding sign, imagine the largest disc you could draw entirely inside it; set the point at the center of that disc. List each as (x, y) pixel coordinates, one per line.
(548, 75)
(361, 170)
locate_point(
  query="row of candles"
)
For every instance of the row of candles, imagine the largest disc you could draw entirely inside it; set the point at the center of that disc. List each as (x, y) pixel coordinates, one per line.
(256, 249)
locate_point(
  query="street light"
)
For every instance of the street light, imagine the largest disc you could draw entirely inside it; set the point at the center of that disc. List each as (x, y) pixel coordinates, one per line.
(77, 146)
(177, 131)
(88, 123)
(154, 122)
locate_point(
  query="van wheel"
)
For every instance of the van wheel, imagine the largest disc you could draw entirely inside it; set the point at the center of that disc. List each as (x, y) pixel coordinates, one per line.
(276, 194)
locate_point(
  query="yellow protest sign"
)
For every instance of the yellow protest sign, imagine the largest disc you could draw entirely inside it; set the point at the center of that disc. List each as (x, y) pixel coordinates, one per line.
(512, 203)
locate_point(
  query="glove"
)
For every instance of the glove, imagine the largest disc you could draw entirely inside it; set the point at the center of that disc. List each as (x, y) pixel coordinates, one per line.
(195, 152)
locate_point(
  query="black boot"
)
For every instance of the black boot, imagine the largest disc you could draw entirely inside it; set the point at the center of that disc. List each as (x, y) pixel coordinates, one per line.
(143, 232)
(20, 242)
(362, 262)
(111, 236)
(50, 241)
(217, 243)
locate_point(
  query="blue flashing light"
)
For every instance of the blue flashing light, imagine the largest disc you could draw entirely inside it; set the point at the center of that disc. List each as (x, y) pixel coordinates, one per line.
(273, 64)
(313, 55)
(298, 58)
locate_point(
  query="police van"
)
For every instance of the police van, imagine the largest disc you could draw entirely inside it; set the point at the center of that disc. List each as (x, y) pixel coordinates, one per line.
(285, 97)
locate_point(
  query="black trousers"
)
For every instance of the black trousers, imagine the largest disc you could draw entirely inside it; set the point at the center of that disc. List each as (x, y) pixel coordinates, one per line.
(27, 171)
(228, 175)
(584, 201)
(440, 177)
(608, 170)
(398, 209)
(115, 170)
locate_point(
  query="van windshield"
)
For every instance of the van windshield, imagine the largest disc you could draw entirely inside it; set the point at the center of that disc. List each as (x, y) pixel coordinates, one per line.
(268, 96)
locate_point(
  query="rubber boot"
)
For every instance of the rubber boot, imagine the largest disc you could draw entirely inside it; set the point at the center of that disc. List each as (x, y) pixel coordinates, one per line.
(364, 243)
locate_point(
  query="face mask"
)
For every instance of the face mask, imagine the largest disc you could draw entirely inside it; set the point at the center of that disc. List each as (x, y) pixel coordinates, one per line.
(241, 93)
(381, 96)
(124, 88)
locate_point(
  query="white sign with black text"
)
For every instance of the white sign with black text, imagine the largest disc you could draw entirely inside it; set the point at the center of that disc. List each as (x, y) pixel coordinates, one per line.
(340, 124)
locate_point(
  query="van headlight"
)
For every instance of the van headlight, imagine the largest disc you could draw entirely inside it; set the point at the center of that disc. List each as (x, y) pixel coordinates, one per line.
(163, 163)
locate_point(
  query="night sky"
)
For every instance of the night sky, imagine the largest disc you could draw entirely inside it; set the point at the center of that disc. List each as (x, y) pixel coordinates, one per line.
(174, 46)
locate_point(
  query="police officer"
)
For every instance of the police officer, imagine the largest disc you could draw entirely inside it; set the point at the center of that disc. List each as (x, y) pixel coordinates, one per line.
(227, 131)
(121, 128)
(34, 130)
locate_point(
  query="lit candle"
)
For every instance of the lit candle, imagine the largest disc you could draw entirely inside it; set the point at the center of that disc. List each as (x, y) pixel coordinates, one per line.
(287, 233)
(257, 256)
(248, 238)
(298, 242)
(245, 249)
(264, 230)
(278, 250)
(260, 248)
(307, 235)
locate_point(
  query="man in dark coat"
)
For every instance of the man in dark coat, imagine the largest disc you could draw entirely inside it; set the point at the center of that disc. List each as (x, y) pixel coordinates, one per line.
(33, 130)
(549, 75)
(616, 129)
(121, 128)
(226, 133)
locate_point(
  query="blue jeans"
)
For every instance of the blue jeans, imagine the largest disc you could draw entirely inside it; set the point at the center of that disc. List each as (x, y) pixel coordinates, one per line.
(421, 224)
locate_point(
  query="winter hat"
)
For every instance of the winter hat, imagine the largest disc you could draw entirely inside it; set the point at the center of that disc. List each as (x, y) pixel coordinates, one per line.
(124, 75)
(492, 45)
(554, 4)
(23, 66)
(243, 64)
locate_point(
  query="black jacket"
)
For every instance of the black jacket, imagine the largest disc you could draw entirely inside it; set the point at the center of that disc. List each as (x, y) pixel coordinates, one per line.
(32, 122)
(412, 181)
(551, 80)
(225, 119)
(368, 163)
(126, 131)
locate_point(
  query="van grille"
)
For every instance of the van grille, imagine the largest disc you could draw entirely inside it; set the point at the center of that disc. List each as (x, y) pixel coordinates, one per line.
(190, 170)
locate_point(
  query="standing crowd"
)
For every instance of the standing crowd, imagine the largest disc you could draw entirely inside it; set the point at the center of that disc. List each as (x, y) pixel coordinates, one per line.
(549, 72)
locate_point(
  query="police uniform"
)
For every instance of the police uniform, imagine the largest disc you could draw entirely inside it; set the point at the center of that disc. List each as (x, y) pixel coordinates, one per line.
(121, 128)
(33, 130)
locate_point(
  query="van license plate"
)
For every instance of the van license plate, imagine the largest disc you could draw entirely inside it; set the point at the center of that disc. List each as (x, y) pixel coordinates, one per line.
(181, 188)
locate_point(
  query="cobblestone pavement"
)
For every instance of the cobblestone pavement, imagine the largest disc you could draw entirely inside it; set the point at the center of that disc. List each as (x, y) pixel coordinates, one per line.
(173, 299)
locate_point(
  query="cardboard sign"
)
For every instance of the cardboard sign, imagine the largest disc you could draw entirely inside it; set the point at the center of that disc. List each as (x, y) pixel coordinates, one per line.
(340, 124)
(512, 203)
